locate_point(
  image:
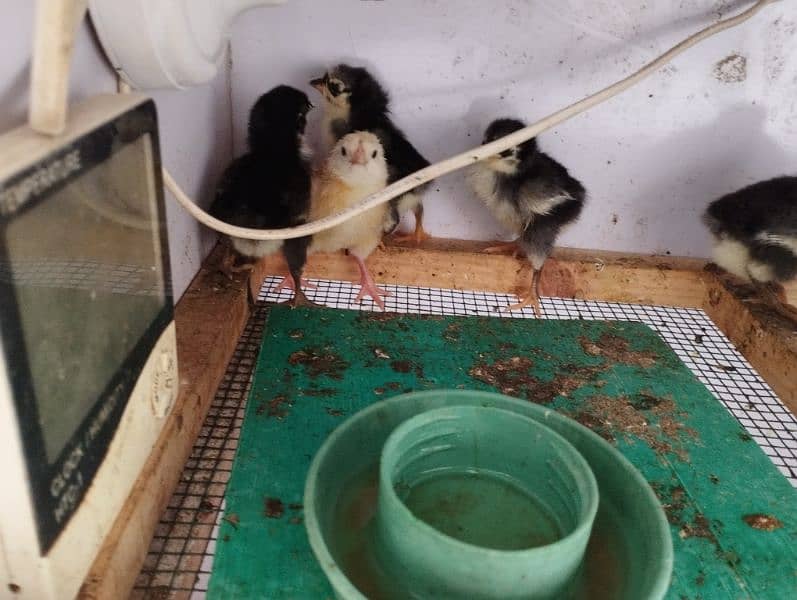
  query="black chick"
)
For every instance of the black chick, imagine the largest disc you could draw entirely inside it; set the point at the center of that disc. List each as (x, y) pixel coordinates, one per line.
(755, 236)
(531, 194)
(355, 101)
(269, 186)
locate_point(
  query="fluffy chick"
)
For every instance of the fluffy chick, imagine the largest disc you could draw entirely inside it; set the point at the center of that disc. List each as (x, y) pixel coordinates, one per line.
(269, 186)
(355, 101)
(355, 169)
(755, 236)
(529, 193)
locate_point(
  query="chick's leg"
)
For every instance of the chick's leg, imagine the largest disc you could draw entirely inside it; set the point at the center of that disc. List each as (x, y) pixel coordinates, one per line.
(228, 266)
(295, 252)
(288, 283)
(536, 241)
(412, 199)
(502, 247)
(420, 234)
(368, 286)
(533, 297)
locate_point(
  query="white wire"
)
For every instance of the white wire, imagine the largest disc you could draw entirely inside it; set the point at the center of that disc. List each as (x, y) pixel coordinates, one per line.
(461, 160)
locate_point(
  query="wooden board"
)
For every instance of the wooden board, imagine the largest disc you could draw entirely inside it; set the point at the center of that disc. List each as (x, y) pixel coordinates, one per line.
(763, 337)
(461, 265)
(210, 318)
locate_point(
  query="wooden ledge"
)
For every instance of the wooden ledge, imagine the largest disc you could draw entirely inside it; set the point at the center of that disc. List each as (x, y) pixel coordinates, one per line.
(213, 312)
(764, 337)
(461, 265)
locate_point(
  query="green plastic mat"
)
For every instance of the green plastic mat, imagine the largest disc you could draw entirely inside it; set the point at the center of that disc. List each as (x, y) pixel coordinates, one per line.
(733, 515)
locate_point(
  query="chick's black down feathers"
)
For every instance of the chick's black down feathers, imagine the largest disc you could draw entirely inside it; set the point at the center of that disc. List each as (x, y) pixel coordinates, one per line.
(269, 186)
(538, 189)
(369, 111)
(531, 194)
(762, 218)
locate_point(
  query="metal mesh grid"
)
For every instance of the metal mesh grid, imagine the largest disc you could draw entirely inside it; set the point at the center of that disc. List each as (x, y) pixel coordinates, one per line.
(181, 554)
(135, 280)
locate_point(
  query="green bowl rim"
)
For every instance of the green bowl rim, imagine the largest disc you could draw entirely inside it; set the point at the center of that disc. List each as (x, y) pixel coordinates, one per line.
(341, 583)
(584, 522)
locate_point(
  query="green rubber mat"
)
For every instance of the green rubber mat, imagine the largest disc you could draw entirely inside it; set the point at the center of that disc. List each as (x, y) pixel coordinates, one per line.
(733, 515)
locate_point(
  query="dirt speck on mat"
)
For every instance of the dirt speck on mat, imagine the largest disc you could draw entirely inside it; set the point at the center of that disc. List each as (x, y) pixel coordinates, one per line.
(699, 527)
(569, 379)
(610, 417)
(452, 332)
(401, 366)
(673, 501)
(405, 366)
(378, 317)
(615, 350)
(276, 408)
(319, 362)
(322, 393)
(233, 520)
(511, 376)
(763, 522)
(595, 424)
(273, 508)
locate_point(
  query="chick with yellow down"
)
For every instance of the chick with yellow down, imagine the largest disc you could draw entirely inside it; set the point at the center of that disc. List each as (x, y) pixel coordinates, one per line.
(355, 168)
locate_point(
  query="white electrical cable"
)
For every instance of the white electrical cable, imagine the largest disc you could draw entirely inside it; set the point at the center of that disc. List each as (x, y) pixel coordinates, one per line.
(461, 160)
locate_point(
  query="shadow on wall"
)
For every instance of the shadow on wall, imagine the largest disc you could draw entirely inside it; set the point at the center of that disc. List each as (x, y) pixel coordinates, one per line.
(739, 147)
(14, 99)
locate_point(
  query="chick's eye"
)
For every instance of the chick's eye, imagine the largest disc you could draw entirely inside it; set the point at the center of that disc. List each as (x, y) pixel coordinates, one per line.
(343, 151)
(374, 153)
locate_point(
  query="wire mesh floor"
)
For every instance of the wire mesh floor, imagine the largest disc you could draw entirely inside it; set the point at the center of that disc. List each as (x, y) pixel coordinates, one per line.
(180, 557)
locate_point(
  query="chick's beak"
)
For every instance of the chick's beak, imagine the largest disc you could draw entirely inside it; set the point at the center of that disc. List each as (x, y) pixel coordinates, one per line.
(318, 83)
(358, 158)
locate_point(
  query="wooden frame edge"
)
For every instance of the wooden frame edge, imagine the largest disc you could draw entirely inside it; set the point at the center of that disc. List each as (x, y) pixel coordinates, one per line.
(212, 314)
(764, 338)
(210, 318)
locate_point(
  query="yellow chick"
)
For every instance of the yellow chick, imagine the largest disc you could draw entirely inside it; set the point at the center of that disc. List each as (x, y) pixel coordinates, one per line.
(355, 168)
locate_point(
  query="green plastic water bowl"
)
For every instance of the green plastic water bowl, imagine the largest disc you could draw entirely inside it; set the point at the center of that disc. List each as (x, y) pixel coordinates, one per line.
(628, 556)
(479, 502)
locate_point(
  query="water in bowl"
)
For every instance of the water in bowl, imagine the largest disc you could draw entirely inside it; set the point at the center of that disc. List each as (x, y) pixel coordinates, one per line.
(481, 508)
(352, 518)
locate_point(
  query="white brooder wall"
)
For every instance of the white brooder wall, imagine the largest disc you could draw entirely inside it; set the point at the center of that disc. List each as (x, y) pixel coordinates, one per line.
(195, 126)
(721, 116)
